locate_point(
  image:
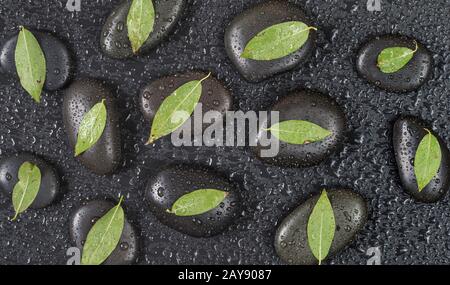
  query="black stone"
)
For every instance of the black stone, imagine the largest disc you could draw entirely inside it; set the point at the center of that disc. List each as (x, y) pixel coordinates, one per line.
(215, 97)
(291, 238)
(85, 217)
(408, 133)
(58, 59)
(409, 78)
(247, 25)
(313, 107)
(50, 184)
(114, 39)
(169, 185)
(105, 156)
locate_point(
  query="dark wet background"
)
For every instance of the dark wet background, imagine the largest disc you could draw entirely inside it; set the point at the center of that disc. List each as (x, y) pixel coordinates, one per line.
(406, 232)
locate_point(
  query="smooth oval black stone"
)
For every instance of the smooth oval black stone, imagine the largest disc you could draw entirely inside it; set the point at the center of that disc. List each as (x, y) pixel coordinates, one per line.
(105, 156)
(291, 238)
(50, 183)
(169, 185)
(85, 217)
(408, 133)
(247, 25)
(313, 107)
(58, 59)
(114, 39)
(215, 97)
(409, 78)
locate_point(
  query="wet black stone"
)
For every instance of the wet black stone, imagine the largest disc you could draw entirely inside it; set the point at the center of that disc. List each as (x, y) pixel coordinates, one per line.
(50, 184)
(313, 107)
(169, 185)
(80, 97)
(247, 25)
(215, 97)
(58, 59)
(408, 133)
(85, 217)
(291, 238)
(409, 78)
(114, 39)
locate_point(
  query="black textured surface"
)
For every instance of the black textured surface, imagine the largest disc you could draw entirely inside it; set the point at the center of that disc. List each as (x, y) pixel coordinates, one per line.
(407, 232)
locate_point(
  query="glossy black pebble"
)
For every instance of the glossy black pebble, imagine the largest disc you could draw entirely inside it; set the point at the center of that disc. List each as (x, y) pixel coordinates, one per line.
(313, 107)
(408, 133)
(169, 185)
(409, 78)
(58, 59)
(50, 184)
(79, 98)
(215, 97)
(114, 39)
(85, 217)
(247, 25)
(291, 238)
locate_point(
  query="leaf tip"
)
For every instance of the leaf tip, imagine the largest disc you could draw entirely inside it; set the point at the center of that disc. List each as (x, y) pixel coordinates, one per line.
(151, 140)
(135, 49)
(246, 54)
(37, 98)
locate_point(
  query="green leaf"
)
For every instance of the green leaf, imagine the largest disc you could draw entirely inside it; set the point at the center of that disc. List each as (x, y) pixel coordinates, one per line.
(91, 128)
(176, 109)
(140, 22)
(427, 160)
(27, 188)
(299, 132)
(277, 41)
(393, 59)
(321, 227)
(104, 236)
(30, 64)
(197, 202)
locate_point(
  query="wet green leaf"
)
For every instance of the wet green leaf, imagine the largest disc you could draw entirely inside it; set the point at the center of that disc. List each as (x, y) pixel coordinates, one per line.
(140, 22)
(176, 109)
(30, 64)
(427, 160)
(198, 202)
(393, 59)
(299, 132)
(27, 188)
(321, 227)
(277, 41)
(91, 128)
(104, 236)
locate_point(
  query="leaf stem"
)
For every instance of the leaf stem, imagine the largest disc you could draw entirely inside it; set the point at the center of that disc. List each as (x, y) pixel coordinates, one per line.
(120, 200)
(15, 216)
(417, 47)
